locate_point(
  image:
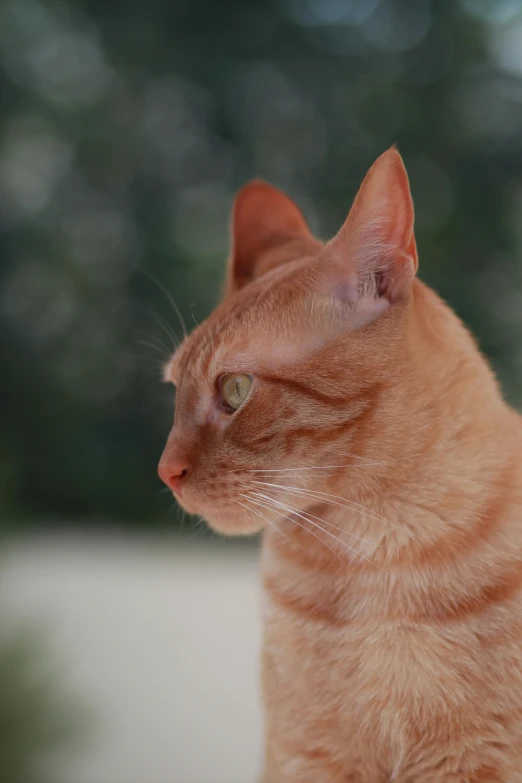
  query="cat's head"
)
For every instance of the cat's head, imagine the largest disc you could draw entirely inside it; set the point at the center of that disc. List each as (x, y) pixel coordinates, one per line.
(287, 376)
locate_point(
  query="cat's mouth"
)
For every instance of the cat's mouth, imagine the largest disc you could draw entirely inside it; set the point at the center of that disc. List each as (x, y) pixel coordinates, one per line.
(249, 512)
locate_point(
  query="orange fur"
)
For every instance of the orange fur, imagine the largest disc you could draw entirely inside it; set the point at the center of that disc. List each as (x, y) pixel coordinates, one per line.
(376, 452)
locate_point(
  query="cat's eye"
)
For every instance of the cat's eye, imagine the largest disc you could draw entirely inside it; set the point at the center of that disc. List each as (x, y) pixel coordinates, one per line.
(234, 389)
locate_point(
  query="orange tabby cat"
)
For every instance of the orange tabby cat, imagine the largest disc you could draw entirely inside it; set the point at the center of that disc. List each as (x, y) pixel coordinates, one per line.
(335, 401)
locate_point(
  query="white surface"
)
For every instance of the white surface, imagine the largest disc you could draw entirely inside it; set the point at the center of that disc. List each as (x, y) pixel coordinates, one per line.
(163, 639)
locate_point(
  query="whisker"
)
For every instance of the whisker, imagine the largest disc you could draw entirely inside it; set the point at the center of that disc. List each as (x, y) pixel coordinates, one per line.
(366, 460)
(160, 348)
(211, 326)
(371, 461)
(336, 538)
(289, 470)
(153, 365)
(167, 328)
(272, 525)
(166, 293)
(313, 516)
(153, 337)
(199, 526)
(149, 335)
(284, 516)
(325, 496)
(325, 521)
(201, 329)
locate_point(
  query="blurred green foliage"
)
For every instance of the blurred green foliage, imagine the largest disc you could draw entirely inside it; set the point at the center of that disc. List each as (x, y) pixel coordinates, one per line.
(124, 130)
(38, 719)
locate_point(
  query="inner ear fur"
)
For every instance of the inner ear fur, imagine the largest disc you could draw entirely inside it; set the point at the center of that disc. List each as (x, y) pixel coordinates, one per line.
(374, 255)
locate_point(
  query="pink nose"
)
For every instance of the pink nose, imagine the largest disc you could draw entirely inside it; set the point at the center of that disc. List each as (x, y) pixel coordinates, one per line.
(172, 472)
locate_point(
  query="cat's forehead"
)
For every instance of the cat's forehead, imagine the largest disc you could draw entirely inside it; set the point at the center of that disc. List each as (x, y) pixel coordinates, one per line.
(212, 350)
(202, 350)
(199, 358)
(235, 327)
(264, 327)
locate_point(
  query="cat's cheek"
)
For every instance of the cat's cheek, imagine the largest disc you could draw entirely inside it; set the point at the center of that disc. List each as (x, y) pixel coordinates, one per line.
(218, 418)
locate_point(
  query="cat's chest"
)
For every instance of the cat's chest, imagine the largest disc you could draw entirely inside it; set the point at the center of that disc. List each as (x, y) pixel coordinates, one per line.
(358, 658)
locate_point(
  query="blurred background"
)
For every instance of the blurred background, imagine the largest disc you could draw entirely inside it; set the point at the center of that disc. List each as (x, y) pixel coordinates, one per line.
(125, 129)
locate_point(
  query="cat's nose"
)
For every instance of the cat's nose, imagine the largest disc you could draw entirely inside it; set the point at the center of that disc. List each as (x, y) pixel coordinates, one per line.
(172, 472)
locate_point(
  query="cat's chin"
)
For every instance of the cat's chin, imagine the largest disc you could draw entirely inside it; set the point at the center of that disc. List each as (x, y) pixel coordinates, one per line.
(232, 524)
(230, 520)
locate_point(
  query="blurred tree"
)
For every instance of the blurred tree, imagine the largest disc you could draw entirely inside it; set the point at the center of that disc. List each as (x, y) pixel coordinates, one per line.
(38, 720)
(124, 132)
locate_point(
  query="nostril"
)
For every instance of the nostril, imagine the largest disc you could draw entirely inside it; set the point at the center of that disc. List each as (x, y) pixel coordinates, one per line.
(175, 479)
(177, 474)
(172, 473)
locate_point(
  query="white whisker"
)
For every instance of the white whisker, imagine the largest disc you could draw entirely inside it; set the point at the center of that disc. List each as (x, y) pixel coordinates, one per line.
(198, 326)
(325, 496)
(166, 293)
(285, 516)
(288, 470)
(210, 324)
(368, 461)
(167, 328)
(330, 524)
(262, 516)
(371, 461)
(327, 532)
(163, 351)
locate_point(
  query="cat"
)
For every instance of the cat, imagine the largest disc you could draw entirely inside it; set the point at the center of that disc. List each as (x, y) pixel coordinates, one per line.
(337, 403)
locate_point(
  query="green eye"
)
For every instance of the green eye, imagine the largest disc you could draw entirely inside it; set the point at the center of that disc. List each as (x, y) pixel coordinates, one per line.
(235, 388)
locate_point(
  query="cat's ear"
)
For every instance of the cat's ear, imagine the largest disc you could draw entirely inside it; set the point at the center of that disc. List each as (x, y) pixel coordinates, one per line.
(263, 218)
(374, 255)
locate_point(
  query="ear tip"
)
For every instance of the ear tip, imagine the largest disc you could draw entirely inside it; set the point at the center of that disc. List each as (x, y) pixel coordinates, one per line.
(253, 186)
(256, 182)
(393, 157)
(251, 195)
(258, 196)
(390, 165)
